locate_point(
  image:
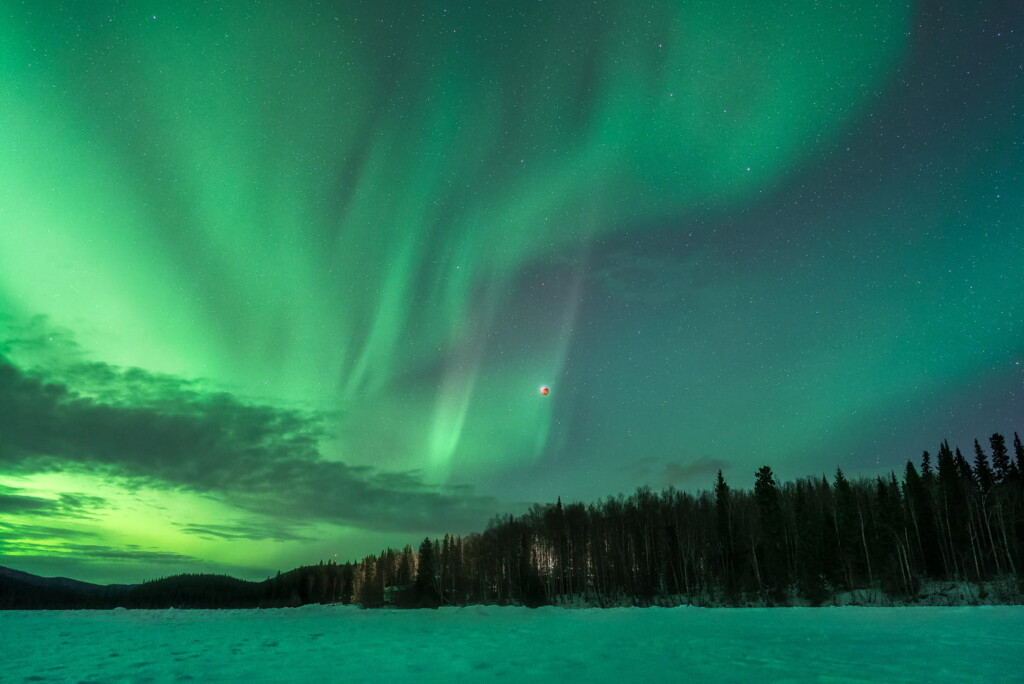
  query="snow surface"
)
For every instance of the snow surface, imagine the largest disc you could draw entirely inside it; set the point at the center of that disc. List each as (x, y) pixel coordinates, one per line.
(489, 643)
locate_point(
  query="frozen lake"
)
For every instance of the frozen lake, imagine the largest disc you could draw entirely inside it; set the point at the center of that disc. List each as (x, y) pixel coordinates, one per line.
(489, 643)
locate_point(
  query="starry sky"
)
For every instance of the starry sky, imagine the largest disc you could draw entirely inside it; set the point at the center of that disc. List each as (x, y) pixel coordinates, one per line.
(281, 281)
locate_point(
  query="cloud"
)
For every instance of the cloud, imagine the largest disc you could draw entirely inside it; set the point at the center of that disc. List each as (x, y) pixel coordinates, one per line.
(86, 553)
(655, 472)
(14, 501)
(640, 468)
(701, 470)
(17, 537)
(79, 505)
(143, 429)
(10, 530)
(247, 531)
(131, 552)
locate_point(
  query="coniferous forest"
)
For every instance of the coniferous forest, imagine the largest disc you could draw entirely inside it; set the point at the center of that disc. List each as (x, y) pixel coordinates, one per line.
(946, 518)
(949, 518)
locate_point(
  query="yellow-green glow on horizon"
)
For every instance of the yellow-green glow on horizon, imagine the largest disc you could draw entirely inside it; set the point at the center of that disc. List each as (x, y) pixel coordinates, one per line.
(150, 519)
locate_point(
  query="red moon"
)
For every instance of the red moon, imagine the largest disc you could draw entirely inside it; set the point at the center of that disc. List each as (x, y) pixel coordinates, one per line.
(544, 390)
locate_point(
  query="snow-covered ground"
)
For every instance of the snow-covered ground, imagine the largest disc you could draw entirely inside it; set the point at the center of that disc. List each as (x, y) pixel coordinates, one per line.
(488, 643)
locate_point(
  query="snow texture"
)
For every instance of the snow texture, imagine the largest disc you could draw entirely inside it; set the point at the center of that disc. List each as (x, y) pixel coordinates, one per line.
(488, 643)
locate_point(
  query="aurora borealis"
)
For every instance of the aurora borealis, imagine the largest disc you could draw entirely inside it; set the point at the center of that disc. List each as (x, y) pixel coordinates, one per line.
(282, 281)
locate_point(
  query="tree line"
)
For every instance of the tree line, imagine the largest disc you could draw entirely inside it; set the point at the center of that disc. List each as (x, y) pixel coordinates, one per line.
(948, 519)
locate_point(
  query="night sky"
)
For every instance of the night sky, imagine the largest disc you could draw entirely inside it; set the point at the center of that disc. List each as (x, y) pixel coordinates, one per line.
(282, 282)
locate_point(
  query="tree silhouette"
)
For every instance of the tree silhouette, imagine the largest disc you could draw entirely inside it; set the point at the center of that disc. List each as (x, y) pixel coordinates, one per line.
(426, 593)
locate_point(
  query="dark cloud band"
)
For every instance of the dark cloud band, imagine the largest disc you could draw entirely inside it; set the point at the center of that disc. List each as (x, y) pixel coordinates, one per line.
(162, 433)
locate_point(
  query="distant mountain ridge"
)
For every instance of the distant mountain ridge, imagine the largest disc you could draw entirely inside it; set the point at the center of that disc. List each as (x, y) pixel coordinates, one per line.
(23, 590)
(311, 584)
(61, 582)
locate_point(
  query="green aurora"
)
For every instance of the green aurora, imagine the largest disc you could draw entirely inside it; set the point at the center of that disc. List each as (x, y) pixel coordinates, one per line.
(281, 281)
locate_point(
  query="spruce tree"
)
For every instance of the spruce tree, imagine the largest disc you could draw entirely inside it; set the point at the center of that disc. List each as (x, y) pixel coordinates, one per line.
(1015, 470)
(723, 513)
(955, 480)
(726, 545)
(772, 541)
(404, 576)
(426, 593)
(926, 465)
(982, 472)
(846, 522)
(890, 547)
(810, 565)
(826, 504)
(1000, 457)
(963, 468)
(920, 509)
